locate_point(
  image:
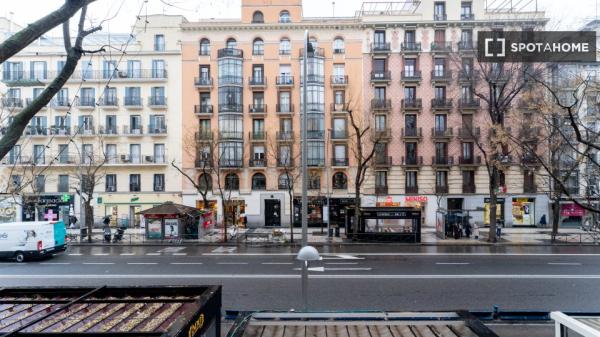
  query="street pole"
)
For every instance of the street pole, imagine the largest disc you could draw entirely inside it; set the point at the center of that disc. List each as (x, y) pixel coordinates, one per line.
(305, 285)
(328, 177)
(304, 145)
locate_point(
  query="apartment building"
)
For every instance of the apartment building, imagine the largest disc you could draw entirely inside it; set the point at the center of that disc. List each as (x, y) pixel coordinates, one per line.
(242, 98)
(120, 111)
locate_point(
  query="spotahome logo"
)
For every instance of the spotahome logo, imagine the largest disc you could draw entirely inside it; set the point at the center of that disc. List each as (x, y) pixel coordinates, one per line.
(536, 46)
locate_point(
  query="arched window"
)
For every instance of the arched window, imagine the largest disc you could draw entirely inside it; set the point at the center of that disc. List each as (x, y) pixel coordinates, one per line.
(258, 17)
(258, 47)
(205, 182)
(231, 43)
(340, 181)
(338, 45)
(314, 182)
(285, 47)
(284, 17)
(259, 182)
(205, 47)
(232, 182)
(284, 181)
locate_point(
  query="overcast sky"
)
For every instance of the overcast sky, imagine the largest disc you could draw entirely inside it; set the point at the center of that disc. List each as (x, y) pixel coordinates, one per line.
(565, 14)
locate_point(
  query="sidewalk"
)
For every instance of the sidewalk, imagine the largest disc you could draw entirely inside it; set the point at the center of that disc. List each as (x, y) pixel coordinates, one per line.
(281, 236)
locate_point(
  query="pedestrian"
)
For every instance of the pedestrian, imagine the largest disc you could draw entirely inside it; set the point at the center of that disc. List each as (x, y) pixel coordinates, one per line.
(468, 230)
(106, 221)
(498, 231)
(72, 221)
(543, 221)
(476, 231)
(456, 231)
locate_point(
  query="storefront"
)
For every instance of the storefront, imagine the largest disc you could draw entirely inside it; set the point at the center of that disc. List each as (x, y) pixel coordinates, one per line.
(48, 207)
(571, 215)
(316, 208)
(523, 211)
(499, 210)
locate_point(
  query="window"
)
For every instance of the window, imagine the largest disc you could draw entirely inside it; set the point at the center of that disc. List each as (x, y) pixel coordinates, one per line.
(16, 181)
(379, 68)
(466, 37)
(285, 101)
(439, 67)
(39, 185)
(313, 42)
(411, 181)
(339, 96)
(63, 153)
(284, 181)
(63, 183)
(440, 123)
(410, 94)
(410, 38)
(258, 47)
(157, 96)
(258, 17)
(380, 93)
(159, 42)
(316, 153)
(380, 123)
(410, 66)
(468, 181)
(12, 71)
(339, 74)
(410, 122)
(285, 155)
(379, 39)
(285, 47)
(37, 70)
(340, 156)
(259, 182)
(38, 154)
(231, 43)
(466, 93)
(284, 17)
(134, 183)
(467, 151)
(439, 11)
(380, 179)
(110, 97)
(466, 11)
(441, 152)
(87, 153)
(440, 93)
(15, 154)
(88, 97)
(204, 47)
(135, 122)
(439, 36)
(441, 179)
(111, 153)
(338, 45)
(230, 72)
(467, 66)
(205, 182)
(109, 69)
(411, 153)
(314, 181)
(159, 182)
(62, 97)
(87, 71)
(232, 182)
(110, 182)
(158, 69)
(340, 181)
(159, 153)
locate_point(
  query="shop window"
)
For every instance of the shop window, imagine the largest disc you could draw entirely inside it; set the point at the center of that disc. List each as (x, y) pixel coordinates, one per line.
(340, 181)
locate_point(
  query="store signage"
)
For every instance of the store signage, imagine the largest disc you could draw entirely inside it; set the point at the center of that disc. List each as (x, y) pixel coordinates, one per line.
(571, 210)
(196, 326)
(415, 198)
(498, 200)
(389, 199)
(134, 199)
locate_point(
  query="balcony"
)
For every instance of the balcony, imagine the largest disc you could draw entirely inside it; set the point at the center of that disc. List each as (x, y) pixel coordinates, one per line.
(412, 189)
(230, 52)
(530, 160)
(109, 102)
(86, 103)
(315, 162)
(257, 163)
(529, 134)
(231, 163)
(381, 190)
(441, 134)
(339, 108)
(469, 161)
(466, 76)
(285, 162)
(412, 105)
(412, 161)
(339, 162)
(257, 83)
(381, 48)
(257, 109)
(157, 102)
(203, 109)
(380, 161)
(317, 52)
(203, 83)
(108, 130)
(230, 135)
(315, 134)
(411, 47)
(441, 189)
(503, 159)
(128, 75)
(468, 188)
(257, 136)
(442, 161)
(381, 135)
(411, 76)
(157, 129)
(36, 131)
(86, 130)
(467, 46)
(441, 104)
(381, 76)
(381, 105)
(469, 133)
(133, 102)
(161, 159)
(203, 163)
(133, 130)
(61, 103)
(440, 17)
(412, 133)
(467, 16)
(204, 136)
(339, 135)
(313, 78)
(231, 107)
(469, 103)
(284, 109)
(284, 81)
(441, 76)
(285, 136)
(441, 47)
(529, 188)
(60, 130)
(338, 81)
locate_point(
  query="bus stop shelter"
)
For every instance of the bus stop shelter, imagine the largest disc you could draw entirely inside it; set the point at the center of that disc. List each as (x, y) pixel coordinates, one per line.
(386, 224)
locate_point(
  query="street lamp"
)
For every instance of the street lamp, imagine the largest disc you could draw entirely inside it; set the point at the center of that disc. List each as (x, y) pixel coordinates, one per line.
(306, 254)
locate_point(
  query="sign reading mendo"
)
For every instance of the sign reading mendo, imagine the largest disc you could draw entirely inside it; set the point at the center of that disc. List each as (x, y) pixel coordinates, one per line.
(529, 46)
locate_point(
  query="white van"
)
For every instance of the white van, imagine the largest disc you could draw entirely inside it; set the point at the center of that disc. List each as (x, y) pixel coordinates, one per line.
(21, 240)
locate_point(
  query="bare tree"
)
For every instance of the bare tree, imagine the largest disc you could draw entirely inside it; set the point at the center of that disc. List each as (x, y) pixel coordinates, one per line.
(74, 53)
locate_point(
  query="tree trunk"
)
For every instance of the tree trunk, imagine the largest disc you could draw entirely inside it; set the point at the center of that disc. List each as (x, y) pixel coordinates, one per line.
(493, 205)
(356, 208)
(291, 216)
(555, 207)
(224, 220)
(89, 218)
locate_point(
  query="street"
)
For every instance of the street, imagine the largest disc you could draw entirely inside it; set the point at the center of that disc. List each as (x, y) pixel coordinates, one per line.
(369, 277)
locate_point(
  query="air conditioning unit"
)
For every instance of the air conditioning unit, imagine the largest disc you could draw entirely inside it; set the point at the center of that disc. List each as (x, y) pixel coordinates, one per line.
(125, 158)
(122, 74)
(150, 159)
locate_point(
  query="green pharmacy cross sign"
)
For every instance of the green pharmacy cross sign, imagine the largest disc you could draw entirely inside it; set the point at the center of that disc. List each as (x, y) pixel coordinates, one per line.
(65, 198)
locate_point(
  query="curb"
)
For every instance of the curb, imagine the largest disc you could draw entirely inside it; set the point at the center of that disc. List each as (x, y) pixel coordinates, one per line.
(321, 244)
